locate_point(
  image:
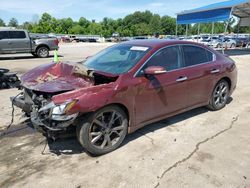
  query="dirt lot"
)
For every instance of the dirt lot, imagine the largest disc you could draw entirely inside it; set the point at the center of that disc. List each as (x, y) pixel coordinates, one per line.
(199, 148)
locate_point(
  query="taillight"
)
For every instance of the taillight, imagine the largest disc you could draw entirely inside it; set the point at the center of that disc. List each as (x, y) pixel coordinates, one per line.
(56, 42)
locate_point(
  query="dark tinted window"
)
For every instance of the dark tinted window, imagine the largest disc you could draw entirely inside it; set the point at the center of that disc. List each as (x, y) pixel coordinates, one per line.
(168, 58)
(194, 55)
(17, 35)
(210, 56)
(4, 35)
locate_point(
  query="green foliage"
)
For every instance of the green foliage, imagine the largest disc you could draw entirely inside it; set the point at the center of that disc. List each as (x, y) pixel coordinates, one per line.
(2, 24)
(13, 22)
(207, 28)
(168, 26)
(135, 24)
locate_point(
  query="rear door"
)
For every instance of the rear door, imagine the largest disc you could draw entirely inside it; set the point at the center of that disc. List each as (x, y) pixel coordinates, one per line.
(19, 41)
(162, 94)
(200, 67)
(5, 45)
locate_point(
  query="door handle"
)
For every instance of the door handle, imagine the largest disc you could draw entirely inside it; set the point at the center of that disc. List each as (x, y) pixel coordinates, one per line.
(9, 42)
(181, 79)
(215, 71)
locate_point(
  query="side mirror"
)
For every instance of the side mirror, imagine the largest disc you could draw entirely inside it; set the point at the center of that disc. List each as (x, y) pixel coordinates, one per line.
(153, 70)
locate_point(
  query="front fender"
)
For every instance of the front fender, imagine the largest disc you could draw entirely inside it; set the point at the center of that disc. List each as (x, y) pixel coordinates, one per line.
(89, 99)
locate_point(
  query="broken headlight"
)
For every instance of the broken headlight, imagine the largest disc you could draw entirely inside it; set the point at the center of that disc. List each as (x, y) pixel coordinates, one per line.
(58, 112)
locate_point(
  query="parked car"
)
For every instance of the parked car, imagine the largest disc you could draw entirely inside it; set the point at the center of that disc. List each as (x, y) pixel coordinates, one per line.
(124, 88)
(140, 37)
(196, 38)
(220, 42)
(248, 44)
(241, 42)
(14, 41)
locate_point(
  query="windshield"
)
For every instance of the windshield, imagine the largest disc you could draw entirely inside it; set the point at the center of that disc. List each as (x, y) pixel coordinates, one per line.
(117, 59)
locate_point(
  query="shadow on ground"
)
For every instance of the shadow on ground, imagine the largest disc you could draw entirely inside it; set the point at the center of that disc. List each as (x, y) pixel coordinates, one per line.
(67, 144)
(71, 146)
(23, 57)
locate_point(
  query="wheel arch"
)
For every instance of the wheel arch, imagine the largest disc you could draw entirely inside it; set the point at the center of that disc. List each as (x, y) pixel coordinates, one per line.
(228, 80)
(41, 45)
(120, 105)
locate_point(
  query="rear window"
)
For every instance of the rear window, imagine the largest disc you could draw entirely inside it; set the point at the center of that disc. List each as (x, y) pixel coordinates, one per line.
(4, 35)
(195, 55)
(17, 35)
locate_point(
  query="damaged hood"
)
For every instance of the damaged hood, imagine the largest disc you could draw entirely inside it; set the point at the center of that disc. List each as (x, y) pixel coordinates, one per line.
(53, 78)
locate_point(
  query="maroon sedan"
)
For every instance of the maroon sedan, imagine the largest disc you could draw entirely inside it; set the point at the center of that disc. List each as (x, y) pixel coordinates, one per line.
(124, 88)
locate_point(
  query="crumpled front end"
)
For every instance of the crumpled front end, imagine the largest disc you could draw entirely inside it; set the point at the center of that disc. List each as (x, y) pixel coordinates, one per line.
(53, 94)
(44, 114)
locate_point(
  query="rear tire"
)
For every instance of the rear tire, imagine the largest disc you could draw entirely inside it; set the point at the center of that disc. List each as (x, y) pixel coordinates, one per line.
(42, 52)
(103, 131)
(219, 96)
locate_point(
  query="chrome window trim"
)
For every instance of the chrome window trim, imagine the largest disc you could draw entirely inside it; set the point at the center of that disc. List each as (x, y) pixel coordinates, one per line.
(176, 45)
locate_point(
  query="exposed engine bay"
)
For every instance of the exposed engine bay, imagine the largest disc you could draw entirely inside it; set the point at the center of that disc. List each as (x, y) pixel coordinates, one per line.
(40, 86)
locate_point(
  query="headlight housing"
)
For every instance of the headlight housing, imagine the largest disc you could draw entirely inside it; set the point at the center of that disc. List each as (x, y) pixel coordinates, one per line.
(58, 112)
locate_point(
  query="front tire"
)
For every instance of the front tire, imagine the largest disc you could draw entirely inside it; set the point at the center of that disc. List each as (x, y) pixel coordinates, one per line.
(103, 131)
(34, 54)
(42, 52)
(219, 96)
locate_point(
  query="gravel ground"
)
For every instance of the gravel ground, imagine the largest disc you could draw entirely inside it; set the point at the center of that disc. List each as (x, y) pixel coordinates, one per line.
(198, 148)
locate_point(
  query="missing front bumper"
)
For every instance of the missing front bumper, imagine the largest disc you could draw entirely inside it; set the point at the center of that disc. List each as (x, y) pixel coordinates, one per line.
(42, 121)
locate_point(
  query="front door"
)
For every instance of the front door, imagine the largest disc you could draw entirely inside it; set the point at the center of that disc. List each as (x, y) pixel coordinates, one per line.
(161, 94)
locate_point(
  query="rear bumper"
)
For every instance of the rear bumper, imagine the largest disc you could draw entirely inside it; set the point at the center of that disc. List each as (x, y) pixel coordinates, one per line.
(54, 48)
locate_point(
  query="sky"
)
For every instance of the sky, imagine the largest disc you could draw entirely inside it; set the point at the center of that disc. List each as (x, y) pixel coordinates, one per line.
(31, 10)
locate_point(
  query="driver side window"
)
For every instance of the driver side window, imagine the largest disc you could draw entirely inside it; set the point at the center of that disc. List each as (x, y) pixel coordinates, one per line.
(169, 58)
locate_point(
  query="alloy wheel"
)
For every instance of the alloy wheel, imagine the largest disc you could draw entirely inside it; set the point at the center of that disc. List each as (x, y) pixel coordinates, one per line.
(106, 129)
(221, 94)
(43, 52)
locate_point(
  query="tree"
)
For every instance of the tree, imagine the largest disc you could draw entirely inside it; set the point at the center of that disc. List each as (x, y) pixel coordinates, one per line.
(45, 24)
(66, 24)
(13, 22)
(155, 24)
(77, 29)
(94, 29)
(135, 24)
(141, 29)
(83, 22)
(168, 25)
(27, 26)
(2, 24)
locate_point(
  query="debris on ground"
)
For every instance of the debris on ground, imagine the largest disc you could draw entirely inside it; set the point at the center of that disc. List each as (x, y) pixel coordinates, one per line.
(8, 79)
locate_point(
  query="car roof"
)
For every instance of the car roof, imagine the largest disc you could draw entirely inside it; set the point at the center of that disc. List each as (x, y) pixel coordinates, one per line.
(8, 29)
(158, 43)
